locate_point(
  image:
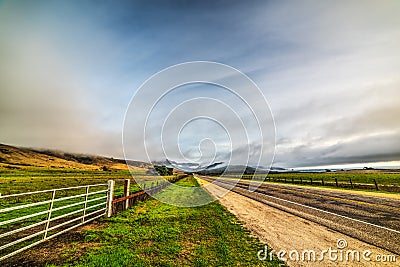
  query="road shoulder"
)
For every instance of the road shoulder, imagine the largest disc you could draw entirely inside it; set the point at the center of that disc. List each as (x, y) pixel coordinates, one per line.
(283, 231)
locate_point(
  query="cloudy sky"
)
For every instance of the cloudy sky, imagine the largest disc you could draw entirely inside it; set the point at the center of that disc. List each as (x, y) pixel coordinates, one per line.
(330, 71)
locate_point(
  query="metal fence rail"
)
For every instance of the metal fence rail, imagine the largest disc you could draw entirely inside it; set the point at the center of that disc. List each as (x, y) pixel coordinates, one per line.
(20, 232)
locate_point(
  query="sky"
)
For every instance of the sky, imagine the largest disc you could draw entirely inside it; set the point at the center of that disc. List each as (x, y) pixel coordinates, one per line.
(329, 71)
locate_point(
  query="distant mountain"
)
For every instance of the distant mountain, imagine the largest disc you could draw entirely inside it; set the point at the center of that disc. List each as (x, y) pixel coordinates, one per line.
(278, 169)
(214, 165)
(218, 168)
(12, 157)
(186, 166)
(235, 169)
(232, 169)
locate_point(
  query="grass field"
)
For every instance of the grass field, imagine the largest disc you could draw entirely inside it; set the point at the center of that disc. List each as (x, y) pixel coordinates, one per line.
(362, 178)
(386, 181)
(156, 234)
(38, 179)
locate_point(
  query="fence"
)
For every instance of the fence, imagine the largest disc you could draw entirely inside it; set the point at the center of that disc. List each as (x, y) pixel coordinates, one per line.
(333, 182)
(31, 218)
(42, 215)
(128, 200)
(338, 183)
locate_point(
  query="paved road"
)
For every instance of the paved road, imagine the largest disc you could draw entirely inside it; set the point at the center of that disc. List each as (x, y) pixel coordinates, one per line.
(374, 220)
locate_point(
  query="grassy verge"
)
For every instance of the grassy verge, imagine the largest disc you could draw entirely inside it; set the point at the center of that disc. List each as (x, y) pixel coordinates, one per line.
(37, 179)
(368, 192)
(388, 183)
(329, 177)
(156, 234)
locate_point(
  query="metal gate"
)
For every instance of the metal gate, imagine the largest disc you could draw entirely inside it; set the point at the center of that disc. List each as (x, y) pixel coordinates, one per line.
(28, 219)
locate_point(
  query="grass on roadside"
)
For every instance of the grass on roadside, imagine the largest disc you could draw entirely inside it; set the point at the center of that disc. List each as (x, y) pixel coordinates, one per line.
(37, 179)
(388, 183)
(329, 177)
(156, 234)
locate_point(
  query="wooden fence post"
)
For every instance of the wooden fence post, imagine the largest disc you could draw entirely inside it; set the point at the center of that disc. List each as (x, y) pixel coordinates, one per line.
(322, 181)
(110, 197)
(376, 185)
(351, 184)
(337, 185)
(127, 190)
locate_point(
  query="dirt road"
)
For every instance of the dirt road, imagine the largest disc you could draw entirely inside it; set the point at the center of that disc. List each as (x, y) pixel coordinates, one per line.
(291, 234)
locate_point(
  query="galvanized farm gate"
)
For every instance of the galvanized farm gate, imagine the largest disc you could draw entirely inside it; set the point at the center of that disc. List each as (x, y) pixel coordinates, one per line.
(28, 219)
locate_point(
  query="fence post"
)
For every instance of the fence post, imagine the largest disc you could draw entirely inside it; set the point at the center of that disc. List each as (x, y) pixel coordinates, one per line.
(127, 190)
(322, 180)
(376, 185)
(351, 184)
(311, 181)
(110, 197)
(53, 195)
(85, 205)
(337, 185)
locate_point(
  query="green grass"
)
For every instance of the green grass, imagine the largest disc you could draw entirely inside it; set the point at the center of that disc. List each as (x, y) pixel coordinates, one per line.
(20, 181)
(36, 179)
(188, 194)
(362, 178)
(387, 182)
(156, 234)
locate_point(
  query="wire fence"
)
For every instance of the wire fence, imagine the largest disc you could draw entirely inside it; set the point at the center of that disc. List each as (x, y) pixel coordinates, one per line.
(349, 182)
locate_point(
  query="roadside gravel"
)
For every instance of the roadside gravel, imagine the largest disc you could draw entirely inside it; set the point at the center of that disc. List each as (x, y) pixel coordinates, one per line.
(284, 231)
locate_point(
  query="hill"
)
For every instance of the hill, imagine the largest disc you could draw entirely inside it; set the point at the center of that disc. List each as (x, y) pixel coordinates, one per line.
(12, 157)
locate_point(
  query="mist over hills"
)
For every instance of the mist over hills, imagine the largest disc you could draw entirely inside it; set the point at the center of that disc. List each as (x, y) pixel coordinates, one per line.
(218, 168)
(12, 157)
